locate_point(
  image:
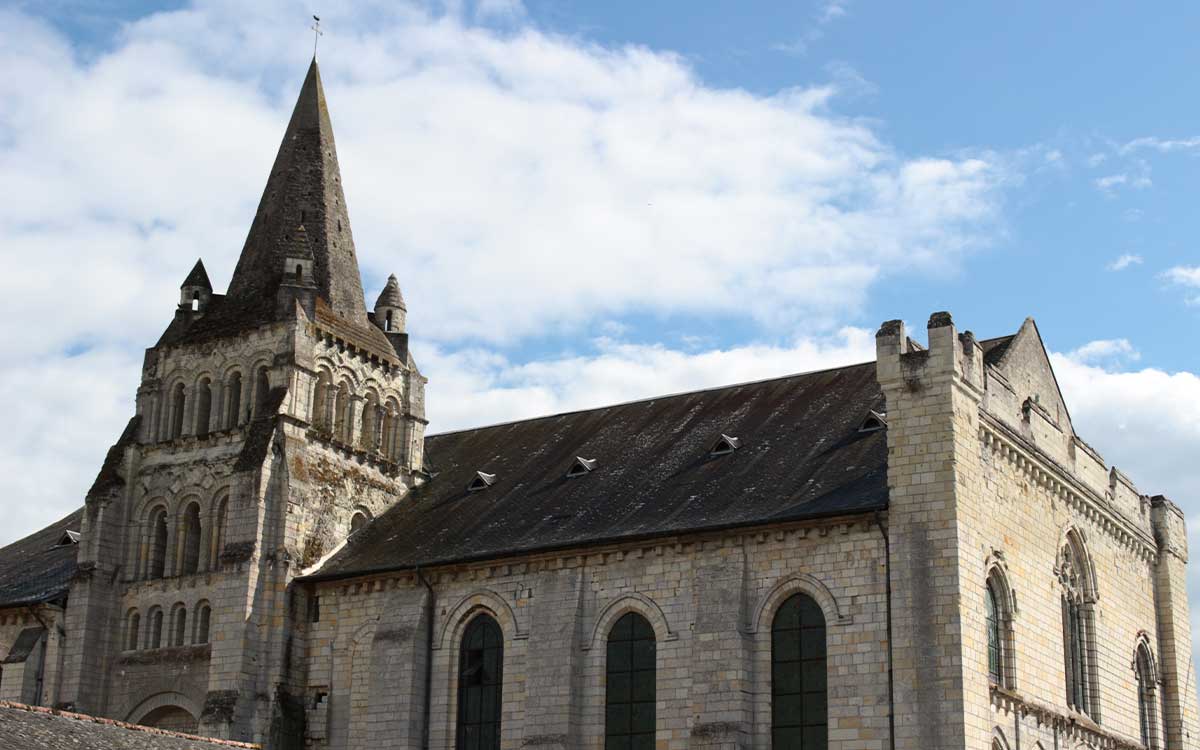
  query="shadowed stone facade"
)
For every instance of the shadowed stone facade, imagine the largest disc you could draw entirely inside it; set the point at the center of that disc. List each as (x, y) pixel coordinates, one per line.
(914, 553)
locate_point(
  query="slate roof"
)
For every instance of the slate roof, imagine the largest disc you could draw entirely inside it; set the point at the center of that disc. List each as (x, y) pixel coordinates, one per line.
(197, 277)
(800, 456)
(36, 568)
(994, 349)
(391, 296)
(304, 188)
(302, 214)
(34, 728)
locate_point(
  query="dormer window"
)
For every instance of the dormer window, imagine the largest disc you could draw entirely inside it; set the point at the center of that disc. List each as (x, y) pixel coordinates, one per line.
(481, 481)
(874, 422)
(725, 445)
(67, 539)
(581, 466)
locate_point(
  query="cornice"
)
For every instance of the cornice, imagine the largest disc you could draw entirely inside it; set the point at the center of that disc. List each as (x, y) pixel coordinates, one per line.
(1047, 473)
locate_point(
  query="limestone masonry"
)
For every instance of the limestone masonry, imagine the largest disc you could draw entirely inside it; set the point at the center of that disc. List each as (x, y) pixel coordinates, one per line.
(917, 552)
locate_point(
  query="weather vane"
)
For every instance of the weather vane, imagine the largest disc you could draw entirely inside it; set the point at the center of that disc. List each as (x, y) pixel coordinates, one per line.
(316, 27)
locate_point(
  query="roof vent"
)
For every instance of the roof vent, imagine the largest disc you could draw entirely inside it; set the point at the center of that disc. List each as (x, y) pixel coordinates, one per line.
(581, 466)
(481, 482)
(67, 539)
(874, 422)
(725, 445)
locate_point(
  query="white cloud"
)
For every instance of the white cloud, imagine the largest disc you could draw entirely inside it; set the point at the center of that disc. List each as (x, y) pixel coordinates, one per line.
(826, 13)
(1104, 350)
(1147, 422)
(1184, 275)
(471, 387)
(1162, 145)
(1125, 261)
(1107, 183)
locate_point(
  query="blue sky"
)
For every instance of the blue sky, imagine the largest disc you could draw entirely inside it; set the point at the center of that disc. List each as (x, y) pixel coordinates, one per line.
(593, 202)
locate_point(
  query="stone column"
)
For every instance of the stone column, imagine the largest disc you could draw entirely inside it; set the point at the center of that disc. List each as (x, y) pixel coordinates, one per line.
(554, 669)
(722, 682)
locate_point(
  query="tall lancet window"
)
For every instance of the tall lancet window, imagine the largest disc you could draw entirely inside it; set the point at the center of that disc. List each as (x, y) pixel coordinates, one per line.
(480, 685)
(177, 404)
(629, 707)
(156, 562)
(1078, 648)
(798, 680)
(1148, 722)
(233, 403)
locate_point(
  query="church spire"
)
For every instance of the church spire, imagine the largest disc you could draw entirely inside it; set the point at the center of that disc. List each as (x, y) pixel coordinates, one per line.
(303, 189)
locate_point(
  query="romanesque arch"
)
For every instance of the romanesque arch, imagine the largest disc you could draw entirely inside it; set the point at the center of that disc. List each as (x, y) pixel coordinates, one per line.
(167, 710)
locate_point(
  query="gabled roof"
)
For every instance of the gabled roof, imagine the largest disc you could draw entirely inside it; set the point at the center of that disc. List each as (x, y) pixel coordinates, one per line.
(802, 458)
(37, 568)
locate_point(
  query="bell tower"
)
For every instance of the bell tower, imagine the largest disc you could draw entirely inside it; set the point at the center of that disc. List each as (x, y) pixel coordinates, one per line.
(269, 419)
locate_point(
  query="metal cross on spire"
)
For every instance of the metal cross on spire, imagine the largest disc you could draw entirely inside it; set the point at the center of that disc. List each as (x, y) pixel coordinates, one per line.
(317, 33)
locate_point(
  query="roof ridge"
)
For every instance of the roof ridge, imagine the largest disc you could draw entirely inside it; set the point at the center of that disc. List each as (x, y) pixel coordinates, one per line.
(647, 399)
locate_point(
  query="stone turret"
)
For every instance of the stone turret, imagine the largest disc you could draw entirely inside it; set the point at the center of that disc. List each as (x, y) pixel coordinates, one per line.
(196, 290)
(389, 308)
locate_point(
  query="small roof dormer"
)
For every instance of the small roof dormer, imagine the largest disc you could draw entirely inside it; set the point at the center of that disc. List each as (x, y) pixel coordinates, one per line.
(874, 421)
(581, 466)
(725, 445)
(481, 481)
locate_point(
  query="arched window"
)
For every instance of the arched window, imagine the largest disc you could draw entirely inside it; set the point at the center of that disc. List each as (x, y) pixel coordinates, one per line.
(480, 685)
(133, 627)
(371, 415)
(1078, 653)
(154, 637)
(630, 691)
(203, 616)
(233, 401)
(998, 619)
(341, 414)
(203, 406)
(320, 415)
(1148, 722)
(177, 403)
(389, 432)
(178, 625)
(262, 388)
(217, 543)
(357, 521)
(993, 635)
(798, 690)
(156, 564)
(387, 321)
(190, 562)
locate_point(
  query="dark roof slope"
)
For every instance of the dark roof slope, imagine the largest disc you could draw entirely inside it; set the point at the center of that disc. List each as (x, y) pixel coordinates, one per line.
(33, 728)
(305, 187)
(800, 456)
(994, 349)
(36, 568)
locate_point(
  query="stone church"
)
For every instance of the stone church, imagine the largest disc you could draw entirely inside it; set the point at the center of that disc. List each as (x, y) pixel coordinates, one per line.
(917, 552)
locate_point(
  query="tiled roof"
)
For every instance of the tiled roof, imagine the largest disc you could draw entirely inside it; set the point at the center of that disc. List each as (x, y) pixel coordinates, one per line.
(800, 456)
(37, 568)
(34, 728)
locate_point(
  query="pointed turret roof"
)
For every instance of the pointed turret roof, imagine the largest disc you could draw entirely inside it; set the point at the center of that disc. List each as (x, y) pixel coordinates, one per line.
(304, 188)
(197, 277)
(391, 296)
(297, 244)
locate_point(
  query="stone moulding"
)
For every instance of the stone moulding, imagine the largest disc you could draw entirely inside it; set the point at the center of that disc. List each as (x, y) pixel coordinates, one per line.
(1071, 725)
(1046, 473)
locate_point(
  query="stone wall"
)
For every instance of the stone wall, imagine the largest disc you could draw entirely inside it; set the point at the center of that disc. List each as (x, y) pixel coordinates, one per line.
(711, 601)
(40, 667)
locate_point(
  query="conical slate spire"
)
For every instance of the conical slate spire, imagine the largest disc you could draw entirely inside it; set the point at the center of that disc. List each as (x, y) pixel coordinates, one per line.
(197, 277)
(304, 189)
(391, 296)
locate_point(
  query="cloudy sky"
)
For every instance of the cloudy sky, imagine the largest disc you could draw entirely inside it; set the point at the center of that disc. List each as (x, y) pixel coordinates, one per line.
(592, 202)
